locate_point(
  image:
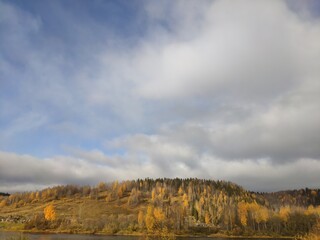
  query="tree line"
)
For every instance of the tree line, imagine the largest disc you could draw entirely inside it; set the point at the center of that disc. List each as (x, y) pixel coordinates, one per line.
(166, 206)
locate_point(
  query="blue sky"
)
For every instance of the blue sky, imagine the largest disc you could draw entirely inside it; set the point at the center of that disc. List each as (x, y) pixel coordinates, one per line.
(101, 90)
(62, 37)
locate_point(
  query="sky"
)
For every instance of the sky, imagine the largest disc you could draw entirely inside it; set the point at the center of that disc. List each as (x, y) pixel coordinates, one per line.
(97, 90)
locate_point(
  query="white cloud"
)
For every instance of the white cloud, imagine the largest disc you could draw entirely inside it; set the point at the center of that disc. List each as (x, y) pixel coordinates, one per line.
(23, 172)
(222, 89)
(243, 51)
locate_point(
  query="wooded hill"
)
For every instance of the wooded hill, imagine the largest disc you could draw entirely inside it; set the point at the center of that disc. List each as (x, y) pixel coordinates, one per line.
(162, 206)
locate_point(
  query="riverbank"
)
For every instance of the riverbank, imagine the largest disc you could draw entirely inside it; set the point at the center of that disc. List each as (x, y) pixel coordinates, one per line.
(139, 234)
(220, 235)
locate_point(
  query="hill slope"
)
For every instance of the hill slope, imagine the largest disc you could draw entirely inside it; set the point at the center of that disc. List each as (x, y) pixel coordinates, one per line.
(181, 206)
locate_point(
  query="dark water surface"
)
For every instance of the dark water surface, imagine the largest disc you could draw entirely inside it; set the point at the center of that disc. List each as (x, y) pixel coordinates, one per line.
(7, 235)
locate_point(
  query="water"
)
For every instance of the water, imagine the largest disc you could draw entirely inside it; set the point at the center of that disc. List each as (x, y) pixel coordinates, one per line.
(7, 235)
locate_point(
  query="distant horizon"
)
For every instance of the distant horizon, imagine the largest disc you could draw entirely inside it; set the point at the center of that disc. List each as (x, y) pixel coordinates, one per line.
(120, 181)
(95, 91)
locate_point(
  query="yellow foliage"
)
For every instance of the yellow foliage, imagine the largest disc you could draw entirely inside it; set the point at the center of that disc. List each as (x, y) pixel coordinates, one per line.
(205, 192)
(185, 200)
(153, 194)
(201, 201)
(101, 186)
(262, 214)
(243, 211)
(284, 213)
(140, 218)
(166, 235)
(3, 203)
(310, 210)
(49, 213)
(120, 192)
(317, 210)
(253, 207)
(158, 214)
(163, 191)
(207, 218)
(180, 192)
(258, 212)
(311, 236)
(150, 219)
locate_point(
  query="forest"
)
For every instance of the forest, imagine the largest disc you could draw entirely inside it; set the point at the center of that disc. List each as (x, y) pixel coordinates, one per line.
(165, 207)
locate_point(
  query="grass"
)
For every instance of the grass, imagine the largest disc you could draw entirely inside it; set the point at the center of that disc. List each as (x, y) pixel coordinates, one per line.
(69, 209)
(12, 226)
(85, 207)
(17, 237)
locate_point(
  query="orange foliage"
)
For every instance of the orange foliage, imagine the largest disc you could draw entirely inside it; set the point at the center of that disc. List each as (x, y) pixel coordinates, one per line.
(158, 214)
(284, 213)
(3, 203)
(49, 213)
(207, 218)
(149, 219)
(243, 211)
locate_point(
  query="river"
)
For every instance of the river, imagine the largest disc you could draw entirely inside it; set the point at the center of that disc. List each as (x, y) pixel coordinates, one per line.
(8, 235)
(35, 236)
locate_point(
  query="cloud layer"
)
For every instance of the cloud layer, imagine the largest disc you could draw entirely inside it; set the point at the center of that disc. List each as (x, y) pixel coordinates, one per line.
(218, 89)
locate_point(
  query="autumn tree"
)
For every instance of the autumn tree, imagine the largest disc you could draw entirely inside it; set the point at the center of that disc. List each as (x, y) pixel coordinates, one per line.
(284, 213)
(49, 213)
(243, 213)
(150, 219)
(141, 219)
(134, 197)
(262, 215)
(3, 203)
(101, 186)
(159, 217)
(207, 217)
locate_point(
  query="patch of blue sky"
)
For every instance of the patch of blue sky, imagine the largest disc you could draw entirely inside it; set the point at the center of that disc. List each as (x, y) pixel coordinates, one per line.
(312, 7)
(69, 19)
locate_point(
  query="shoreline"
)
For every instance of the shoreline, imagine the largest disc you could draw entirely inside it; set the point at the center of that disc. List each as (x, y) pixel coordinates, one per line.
(137, 234)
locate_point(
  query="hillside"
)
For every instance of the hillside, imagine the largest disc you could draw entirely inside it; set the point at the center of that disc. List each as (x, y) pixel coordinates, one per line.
(302, 197)
(162, 206)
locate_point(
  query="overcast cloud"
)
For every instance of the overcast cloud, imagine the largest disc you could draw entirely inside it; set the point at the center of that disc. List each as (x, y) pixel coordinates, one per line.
(101, 91)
